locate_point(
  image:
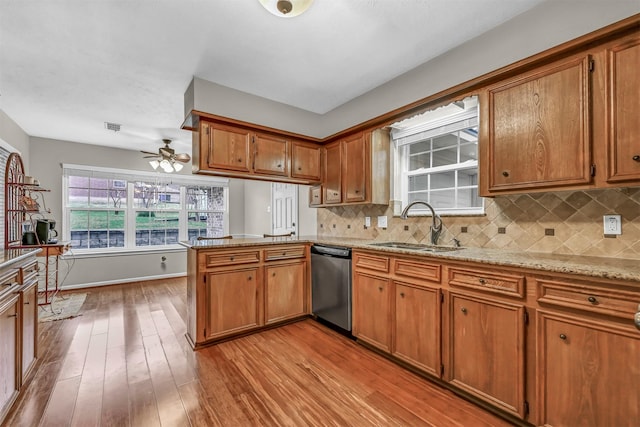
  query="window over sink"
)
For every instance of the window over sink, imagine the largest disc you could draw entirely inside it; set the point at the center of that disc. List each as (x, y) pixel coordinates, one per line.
(436, 159)
(109, 210)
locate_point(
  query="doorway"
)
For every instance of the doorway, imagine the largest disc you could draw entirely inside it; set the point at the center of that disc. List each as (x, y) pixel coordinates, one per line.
(284, 212)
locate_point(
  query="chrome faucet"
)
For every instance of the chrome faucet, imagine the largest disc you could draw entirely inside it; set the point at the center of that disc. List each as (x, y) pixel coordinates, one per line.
(436, 227)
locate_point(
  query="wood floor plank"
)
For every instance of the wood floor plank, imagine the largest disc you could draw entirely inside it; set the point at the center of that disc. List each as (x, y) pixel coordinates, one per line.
(125, 362)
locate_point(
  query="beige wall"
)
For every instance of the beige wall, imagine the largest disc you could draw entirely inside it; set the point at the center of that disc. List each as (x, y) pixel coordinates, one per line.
(13, 138)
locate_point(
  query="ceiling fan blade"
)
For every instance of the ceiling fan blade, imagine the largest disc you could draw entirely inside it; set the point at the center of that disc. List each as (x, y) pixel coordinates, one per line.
(182, 157)
(165, 151)
(156, 156)
(149, 152)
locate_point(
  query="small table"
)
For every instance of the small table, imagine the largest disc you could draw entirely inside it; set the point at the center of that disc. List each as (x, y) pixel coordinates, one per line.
(52, 254)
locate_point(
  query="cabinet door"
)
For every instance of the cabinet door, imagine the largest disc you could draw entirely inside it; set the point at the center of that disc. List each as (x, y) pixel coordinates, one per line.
(486, 350)
(539, 129)
(371, 310)
(416, 326)
(623, 111)
(332, 178)
(226, 147)
(315, 195)
(270, 155)
(285, 294)
(9, 362)
(354, 174)
(588, 372)
(305, 161)
(232, 302)
(29, 298)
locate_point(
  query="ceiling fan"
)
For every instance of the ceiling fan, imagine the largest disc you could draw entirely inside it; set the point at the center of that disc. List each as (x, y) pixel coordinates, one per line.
(166, 158)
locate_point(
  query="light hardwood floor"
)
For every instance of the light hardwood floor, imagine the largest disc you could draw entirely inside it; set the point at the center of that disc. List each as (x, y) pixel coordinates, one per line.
(125, 362)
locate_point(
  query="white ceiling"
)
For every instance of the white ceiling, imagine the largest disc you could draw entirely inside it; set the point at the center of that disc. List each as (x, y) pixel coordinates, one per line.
(68, 66)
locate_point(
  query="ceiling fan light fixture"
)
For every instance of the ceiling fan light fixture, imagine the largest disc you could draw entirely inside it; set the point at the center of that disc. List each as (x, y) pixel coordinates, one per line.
(286, 8)
(154, 164)
(177, 166)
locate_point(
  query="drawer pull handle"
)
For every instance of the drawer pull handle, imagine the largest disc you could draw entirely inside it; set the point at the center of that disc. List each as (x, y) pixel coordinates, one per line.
(563, 337)
(482, 281)
(464, 310)
(26, 303)
(12, 315)
(636, 158)
(592, 300)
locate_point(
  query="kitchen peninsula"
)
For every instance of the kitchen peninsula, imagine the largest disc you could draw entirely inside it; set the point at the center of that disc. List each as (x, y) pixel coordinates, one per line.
(503, 328)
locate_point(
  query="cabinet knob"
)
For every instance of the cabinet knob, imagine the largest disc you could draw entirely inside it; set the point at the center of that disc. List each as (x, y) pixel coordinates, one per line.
(249, 278)
(357, 191)
(401, 294)
(482, 281)
(273, 274)
(505, 173)
(464, 310)
(299, 168)
(380, 288)
(563, 337)
(239, 160)
(284, 253)
(279, 166)
(636, 158)
(592, 300)
(232, 258)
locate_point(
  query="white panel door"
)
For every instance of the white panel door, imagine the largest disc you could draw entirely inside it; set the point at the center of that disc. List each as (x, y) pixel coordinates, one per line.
(284, 202)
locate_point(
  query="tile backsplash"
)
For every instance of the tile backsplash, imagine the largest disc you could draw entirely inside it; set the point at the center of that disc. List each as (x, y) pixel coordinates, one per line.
(554, 222)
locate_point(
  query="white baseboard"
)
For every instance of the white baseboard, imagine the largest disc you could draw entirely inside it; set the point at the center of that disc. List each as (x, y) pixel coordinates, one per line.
(120, 281)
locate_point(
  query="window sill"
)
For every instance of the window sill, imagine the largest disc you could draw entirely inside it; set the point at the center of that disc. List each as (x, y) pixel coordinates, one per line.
(99, 253)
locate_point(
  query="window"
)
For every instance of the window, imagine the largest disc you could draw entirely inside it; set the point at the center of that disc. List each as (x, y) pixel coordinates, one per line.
(139, 210)
(437, 159)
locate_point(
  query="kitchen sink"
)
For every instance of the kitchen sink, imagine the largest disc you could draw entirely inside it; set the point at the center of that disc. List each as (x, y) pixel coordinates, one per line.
(416, 246)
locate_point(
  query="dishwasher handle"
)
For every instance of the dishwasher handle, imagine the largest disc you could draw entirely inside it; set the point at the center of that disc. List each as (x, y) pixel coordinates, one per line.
(333, 251)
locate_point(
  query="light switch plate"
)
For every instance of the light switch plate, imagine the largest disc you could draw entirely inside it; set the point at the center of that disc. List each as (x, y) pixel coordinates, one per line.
(612, 224)
(367, 221)
(382, 221)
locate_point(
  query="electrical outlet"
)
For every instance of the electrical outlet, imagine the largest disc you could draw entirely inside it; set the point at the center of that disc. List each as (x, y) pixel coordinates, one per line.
(612, 224)
(382, 221)
(367, 221)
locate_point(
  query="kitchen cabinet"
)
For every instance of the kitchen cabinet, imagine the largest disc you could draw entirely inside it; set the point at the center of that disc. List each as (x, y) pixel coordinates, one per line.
(240, 286)
(29, 304)
(315, 195)
(233, 291)
(9, 353)
(416, 326)
(356, 169)
(285, 292)
(236, 151)
(588, 372)
(306, 161)
(537, 129)
(623, 110)
(486, 350)
(371, 309)
(332, 183)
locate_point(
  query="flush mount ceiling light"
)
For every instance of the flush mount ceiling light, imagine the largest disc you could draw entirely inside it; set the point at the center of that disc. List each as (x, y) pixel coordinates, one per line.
(286, 8)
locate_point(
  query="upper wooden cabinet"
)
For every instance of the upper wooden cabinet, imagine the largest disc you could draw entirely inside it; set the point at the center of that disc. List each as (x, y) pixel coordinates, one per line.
(243, 153)
(537, 128)
(623, 110)
(356, 169)
(305, 161)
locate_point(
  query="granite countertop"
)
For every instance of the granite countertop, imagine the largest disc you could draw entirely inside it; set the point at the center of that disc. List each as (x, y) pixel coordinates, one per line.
(598, 267)
(9, 256)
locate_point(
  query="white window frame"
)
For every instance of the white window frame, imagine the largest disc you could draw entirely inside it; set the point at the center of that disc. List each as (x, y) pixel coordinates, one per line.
(133, 176)
(403, 138)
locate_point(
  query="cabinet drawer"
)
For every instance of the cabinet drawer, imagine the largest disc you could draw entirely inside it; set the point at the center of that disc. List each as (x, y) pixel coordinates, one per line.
(29, 272)
(284, 252)
(506, 284)
(371, 262)
(588, 297)
(215, 259)
(417, 269)
(8, 281)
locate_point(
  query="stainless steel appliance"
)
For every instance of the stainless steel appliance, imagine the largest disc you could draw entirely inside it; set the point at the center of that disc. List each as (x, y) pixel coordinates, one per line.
(331, 285)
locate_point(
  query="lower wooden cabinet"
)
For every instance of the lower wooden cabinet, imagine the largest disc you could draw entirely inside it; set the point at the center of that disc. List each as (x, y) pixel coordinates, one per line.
(285, 293)
(371, 309)
(29, 341)
(588, 372)
(486, 350)
(232, 301)
(9, 352)
(416, 326)
(232, 291)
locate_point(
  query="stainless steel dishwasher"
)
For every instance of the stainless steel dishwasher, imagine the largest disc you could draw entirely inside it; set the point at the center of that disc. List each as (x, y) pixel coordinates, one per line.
(331, 285)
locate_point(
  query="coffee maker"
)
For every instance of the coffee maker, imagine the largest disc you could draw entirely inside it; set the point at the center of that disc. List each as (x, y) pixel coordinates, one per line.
(46, 231)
